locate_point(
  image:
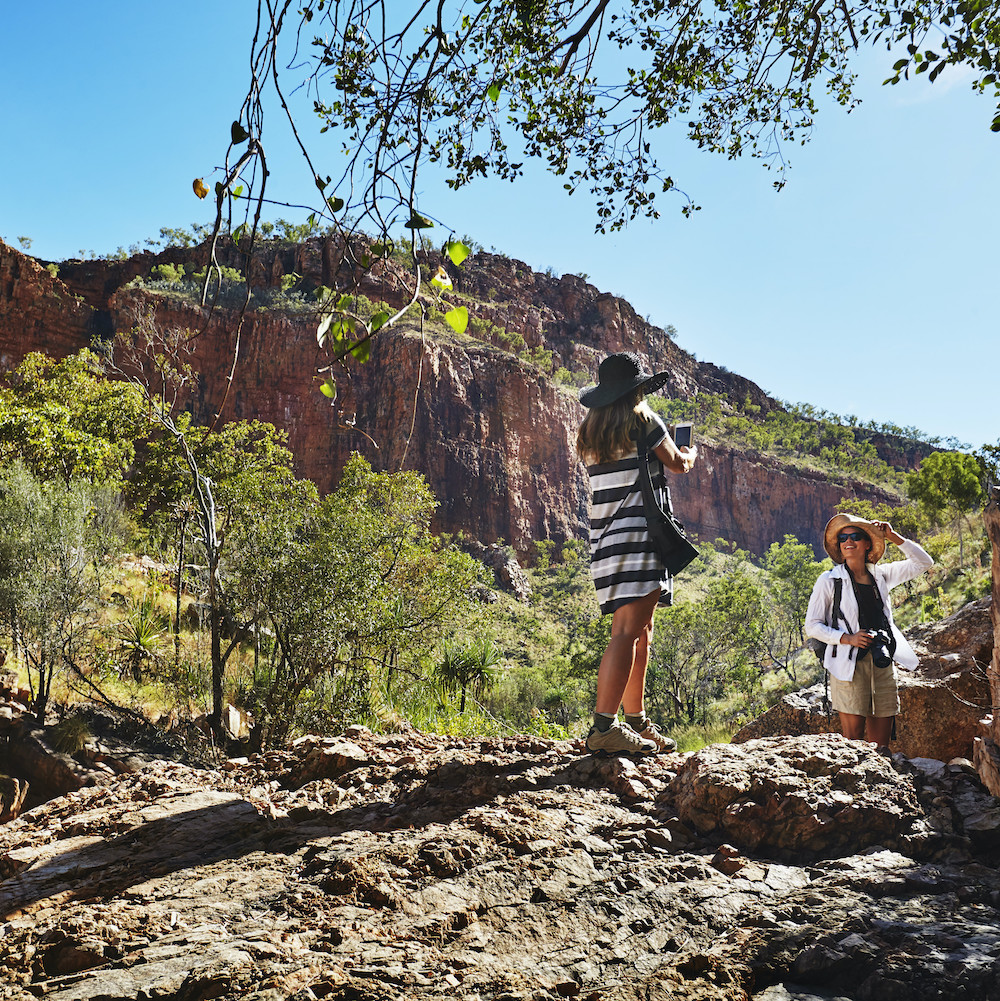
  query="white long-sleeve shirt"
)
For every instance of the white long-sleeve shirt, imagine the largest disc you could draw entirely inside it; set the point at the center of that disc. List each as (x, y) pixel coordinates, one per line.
(840, 658)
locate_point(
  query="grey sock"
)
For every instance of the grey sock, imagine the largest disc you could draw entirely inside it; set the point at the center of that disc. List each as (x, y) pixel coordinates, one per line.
(603, 721)
(638, 721)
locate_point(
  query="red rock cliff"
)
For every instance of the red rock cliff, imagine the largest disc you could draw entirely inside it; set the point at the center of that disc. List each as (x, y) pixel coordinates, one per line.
(492, 434)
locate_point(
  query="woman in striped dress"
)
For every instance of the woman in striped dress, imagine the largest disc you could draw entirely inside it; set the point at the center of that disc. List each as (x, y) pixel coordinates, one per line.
(630, 578)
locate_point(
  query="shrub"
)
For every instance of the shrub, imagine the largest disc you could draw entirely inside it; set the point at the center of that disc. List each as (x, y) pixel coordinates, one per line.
(70, 735)
(538, 357)
(171, 273)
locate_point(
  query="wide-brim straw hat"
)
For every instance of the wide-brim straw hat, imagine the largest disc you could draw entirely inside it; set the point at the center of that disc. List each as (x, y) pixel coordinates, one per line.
(617, 376)
(841, 521)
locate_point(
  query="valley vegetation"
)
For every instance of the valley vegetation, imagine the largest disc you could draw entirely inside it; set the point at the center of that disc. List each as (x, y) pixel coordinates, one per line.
(174, 570)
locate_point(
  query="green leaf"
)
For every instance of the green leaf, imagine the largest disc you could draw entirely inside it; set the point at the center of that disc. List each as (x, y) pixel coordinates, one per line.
(362, 351)
(418, 221)
(329, 389)
(378, 321)
(323, 329)
(238, 133)
(237, 191)
(342, 330)
(239, 232)
(457, 251)
(458, 319)
(493, 93)
(334, 327)
(336, 204)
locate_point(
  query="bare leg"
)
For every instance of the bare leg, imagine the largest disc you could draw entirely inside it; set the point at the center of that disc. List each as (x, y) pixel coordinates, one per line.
(631, 627)
(878, 729)
(635, 690)
(852, 726)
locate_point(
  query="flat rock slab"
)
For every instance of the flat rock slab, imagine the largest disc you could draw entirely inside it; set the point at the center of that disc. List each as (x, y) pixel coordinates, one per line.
(409, 866)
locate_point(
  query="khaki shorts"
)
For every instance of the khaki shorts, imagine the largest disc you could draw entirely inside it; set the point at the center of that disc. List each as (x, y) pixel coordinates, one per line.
(871, 692)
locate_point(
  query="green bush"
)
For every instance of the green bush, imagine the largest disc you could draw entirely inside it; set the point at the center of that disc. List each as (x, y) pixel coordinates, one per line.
(170, 273)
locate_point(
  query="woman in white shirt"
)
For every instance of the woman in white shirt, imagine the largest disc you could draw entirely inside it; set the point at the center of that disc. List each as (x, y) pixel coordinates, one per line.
(863, 642)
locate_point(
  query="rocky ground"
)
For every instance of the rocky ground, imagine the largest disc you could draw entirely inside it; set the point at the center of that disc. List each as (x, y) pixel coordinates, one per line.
(416, 866)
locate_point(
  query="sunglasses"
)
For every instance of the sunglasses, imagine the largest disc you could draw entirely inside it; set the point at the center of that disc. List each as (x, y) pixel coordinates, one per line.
(853, 536)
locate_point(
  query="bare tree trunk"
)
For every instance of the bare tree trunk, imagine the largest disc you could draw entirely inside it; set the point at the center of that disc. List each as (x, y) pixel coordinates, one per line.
(987, 757)
(217, 664)
(180, 585)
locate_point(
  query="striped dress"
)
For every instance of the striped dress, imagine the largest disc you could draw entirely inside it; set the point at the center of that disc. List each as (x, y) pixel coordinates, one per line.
(622, 561)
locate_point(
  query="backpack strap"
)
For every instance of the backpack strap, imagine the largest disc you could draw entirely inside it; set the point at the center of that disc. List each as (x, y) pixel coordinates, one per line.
(611, 520)
(838, 587)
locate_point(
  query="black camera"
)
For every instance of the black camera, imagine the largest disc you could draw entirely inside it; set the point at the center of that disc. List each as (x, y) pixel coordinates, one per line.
(882, 647)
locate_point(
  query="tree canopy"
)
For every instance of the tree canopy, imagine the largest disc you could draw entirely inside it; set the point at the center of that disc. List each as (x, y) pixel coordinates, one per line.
(946, 481)
(481, 86)
(478, 88)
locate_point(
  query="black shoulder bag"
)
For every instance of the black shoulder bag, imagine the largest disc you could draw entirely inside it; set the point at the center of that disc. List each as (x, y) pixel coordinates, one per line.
(665, 531)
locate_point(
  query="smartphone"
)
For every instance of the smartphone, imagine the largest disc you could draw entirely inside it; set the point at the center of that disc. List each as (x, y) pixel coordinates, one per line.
(682, 434)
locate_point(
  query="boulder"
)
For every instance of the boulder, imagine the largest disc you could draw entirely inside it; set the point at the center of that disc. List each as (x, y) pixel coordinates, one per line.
(12, 794)
(967, 632)
(811, 796)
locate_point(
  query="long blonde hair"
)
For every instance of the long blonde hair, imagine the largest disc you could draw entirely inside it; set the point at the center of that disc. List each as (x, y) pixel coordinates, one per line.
(606, 432)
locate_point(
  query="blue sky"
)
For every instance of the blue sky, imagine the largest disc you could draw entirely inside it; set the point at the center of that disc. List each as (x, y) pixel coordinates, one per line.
(865, 287)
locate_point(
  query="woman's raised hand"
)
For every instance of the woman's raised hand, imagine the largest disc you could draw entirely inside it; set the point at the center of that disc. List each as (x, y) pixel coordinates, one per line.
(887, 530)
(689, 453)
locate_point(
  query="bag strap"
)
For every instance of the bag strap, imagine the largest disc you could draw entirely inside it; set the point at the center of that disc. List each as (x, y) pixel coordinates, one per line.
(611, 520)
(838, 587)
(644, 480)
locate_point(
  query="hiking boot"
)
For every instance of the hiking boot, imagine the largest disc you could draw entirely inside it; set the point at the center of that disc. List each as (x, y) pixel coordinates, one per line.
(619, 738)
(663, 743)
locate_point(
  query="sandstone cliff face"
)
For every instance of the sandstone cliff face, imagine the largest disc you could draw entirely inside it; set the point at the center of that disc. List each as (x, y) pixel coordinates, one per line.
(492, 434)
(37, 312)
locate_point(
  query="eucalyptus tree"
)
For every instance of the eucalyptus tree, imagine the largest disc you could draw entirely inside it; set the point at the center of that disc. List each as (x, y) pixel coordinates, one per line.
(55, 544)
(356, 591)
(220, 480)
(948, 484)
(792, 570)
(65, 421)
(708, 648)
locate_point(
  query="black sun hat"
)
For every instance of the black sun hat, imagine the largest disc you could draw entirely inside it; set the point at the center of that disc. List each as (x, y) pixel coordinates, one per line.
(617, 376)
